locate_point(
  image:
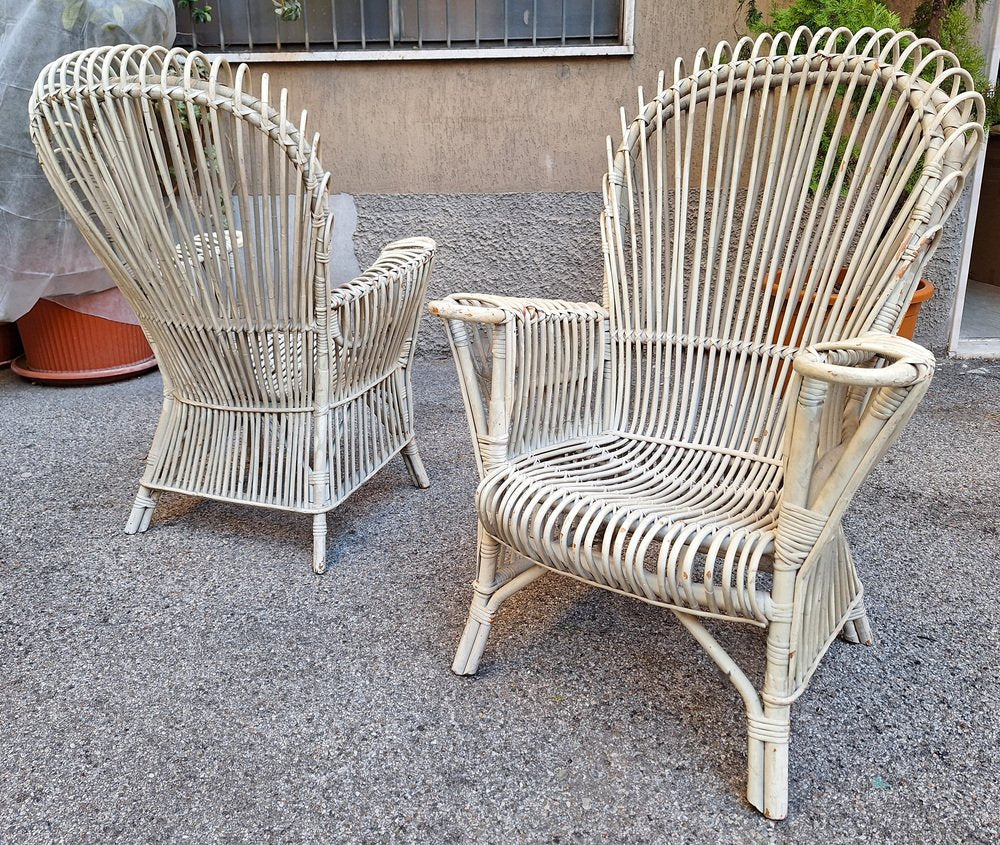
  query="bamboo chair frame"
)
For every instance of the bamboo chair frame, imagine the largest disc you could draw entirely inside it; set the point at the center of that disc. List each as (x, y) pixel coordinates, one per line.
(694, 441)
(209, 207)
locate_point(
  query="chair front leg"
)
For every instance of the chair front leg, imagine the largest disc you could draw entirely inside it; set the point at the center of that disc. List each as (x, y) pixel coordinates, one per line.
(493, 585)
(477, 626)
(773, 729)
(771, 733)
(319, 543)
(767, 727)
(142, 510)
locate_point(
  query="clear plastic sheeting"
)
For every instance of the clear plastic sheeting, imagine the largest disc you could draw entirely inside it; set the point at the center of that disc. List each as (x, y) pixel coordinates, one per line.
(41, 251)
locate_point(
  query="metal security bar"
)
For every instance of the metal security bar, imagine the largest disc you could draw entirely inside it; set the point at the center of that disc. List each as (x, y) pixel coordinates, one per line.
(358, 30)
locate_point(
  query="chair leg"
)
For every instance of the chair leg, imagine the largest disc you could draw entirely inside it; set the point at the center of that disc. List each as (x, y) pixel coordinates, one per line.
(767, 760)
(767, 727)
(772, 727)
(319, 543)
(477, 628)
(493, 586)
(858, 629)
(776, 764)
(768, 736)
(142, 510)
(415, 466)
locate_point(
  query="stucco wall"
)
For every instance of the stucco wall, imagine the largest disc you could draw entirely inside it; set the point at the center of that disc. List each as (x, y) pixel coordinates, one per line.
(934, 324)
(489, 126)
(537, 244)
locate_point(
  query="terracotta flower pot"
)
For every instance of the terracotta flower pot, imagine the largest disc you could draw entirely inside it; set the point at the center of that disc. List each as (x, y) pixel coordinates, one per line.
(10, 344)
(925, 290)
(68, 347)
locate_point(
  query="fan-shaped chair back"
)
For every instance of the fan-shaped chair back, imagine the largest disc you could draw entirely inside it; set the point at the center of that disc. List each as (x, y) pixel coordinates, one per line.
(779, 194)
(210, 219)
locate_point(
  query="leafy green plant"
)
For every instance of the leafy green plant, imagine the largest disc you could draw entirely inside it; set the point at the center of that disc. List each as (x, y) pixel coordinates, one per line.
(200, 11)
(949, 22)
(288, 10)
(815, 14)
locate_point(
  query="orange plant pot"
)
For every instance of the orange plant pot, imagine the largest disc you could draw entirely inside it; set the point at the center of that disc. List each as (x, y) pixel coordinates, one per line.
(10, 344)
(925, 290)
(908, 326)
(63, 346)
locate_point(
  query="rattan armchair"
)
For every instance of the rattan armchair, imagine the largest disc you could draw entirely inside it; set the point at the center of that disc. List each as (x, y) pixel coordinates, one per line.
(694, 441)
(210, 208)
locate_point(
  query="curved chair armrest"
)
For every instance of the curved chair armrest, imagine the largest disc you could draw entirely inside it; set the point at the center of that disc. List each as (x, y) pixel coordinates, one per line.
(484, 308)
(532, 371)
(838, 362)
(396, 259)
(373, 319)
(824, 466)
(884, 398)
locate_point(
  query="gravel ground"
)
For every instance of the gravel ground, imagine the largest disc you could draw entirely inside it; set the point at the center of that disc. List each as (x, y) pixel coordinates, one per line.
(198, 684)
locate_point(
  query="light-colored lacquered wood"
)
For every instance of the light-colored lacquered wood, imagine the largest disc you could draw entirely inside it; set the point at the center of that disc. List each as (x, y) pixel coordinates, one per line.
(210, 208)
(694, 440)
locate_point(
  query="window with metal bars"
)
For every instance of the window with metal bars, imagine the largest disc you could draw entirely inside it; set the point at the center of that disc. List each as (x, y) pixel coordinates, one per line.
(401, 29)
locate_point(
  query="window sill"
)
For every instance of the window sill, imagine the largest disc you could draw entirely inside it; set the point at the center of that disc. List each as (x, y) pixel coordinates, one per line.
(428, 54)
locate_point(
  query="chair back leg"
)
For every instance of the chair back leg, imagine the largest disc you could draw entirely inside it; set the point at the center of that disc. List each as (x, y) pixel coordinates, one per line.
(142, 510)
(319, 543)
(415, 466)
(858, 630)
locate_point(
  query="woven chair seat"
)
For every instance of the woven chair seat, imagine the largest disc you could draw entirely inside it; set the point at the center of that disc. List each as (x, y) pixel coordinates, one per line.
(638, 514)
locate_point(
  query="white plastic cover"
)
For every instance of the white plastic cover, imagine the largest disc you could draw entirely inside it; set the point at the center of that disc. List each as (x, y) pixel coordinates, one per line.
(41, 251)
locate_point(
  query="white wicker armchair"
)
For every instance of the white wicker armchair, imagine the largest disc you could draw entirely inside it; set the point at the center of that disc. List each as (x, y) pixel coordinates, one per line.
(694, 441)
(209, 207)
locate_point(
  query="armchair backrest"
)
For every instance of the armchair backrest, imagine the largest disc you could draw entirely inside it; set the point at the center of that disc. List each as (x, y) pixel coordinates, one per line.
(786, 191)
(208, 206)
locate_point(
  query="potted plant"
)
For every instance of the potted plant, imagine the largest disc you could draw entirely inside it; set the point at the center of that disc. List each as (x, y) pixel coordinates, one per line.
(74, 324)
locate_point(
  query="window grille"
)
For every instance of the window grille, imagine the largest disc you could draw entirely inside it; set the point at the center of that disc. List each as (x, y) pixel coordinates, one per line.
(419, 29)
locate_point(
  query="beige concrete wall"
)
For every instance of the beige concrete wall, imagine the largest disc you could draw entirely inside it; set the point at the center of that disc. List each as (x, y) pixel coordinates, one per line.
(490, 126)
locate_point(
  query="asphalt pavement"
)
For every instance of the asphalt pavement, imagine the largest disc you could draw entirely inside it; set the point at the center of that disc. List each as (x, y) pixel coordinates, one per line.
(197, 683)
